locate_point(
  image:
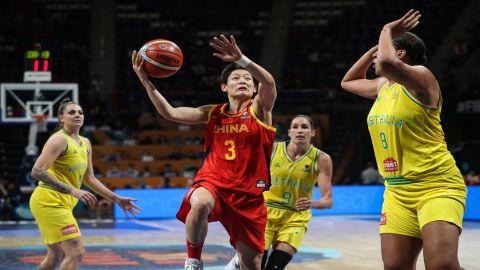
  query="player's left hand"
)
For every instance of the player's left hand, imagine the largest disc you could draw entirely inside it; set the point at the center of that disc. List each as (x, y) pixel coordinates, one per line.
(127, 205)
(303, 204)
(227, 50)
(409, 21)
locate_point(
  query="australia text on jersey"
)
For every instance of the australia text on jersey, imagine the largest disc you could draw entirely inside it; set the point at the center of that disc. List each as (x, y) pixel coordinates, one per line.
(385, 119)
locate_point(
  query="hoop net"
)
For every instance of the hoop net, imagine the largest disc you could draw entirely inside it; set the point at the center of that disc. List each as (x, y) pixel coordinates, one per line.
(39, 117)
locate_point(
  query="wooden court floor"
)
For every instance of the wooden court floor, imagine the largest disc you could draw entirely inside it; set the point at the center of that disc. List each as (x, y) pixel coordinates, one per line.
(332, 242)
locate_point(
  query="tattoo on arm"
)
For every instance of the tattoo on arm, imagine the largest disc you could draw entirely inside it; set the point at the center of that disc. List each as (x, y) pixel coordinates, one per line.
(49, 180)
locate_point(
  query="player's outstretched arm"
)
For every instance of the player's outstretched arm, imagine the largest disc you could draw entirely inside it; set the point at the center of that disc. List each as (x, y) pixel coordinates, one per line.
(355, 80)
(186, 115)
(55, 146)
(94, 184)
(228, 50)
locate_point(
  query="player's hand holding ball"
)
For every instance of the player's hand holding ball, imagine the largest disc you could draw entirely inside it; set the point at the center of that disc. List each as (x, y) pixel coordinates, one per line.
(158, 58)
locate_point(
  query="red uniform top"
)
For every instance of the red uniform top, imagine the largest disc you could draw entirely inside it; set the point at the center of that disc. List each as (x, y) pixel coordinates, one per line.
(238, 149)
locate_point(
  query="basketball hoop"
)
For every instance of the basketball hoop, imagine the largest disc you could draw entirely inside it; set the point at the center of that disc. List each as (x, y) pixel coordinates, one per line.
(39, 117)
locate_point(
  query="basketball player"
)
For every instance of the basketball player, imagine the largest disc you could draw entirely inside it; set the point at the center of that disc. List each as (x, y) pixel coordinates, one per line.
(425, 194)
(238, 143)
(295, 168)
(64, 164)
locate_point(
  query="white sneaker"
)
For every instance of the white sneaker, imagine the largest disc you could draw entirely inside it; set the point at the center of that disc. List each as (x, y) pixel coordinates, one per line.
(193, 264)
(233, 264)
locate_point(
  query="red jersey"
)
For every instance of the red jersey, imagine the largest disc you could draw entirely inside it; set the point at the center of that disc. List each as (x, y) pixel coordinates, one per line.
(238, 149)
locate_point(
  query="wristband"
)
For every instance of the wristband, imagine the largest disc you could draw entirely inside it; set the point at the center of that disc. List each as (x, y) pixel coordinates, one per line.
(243, 61)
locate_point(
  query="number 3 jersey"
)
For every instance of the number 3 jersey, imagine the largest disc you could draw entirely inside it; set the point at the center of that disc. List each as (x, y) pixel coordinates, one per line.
(237, 151)
(407, 138)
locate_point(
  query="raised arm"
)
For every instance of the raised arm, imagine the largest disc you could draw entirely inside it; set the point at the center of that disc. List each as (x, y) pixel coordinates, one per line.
(55, 146)
(355, 80)
(416, 78)
(228, 51)
(94, 184)
(186, 115)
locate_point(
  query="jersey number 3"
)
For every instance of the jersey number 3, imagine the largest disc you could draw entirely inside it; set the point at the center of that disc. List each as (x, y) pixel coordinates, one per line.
(231, 155)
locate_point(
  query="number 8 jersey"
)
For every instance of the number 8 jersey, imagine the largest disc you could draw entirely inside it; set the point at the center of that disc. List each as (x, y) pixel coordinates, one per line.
(237, 151)
(407, 138)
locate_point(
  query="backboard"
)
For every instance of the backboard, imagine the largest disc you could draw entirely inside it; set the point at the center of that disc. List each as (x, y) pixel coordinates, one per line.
(19, 101)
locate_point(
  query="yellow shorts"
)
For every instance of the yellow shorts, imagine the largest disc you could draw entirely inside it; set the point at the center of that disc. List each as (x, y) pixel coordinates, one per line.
(286, 226)
(407, 208)
(54, 219)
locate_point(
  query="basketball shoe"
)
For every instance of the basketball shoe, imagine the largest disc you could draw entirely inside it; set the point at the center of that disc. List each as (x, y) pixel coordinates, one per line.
(193, 264)
(233, 264)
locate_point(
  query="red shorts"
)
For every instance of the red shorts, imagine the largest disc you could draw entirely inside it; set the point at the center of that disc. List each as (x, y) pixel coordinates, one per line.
(243, 216)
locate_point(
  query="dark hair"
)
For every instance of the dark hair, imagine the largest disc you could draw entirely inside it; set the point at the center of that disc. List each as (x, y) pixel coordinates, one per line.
(228, 69)
(64, 103)
(414, 47)
(304, 116)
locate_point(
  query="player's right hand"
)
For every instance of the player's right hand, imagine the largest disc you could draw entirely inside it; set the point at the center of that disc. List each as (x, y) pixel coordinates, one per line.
(85, 196)
(227, 50)
(137, 65)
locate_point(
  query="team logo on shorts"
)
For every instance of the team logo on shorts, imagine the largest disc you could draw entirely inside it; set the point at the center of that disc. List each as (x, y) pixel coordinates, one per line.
(69, 229)
(261, 183)
(390, 165)
(383, 219)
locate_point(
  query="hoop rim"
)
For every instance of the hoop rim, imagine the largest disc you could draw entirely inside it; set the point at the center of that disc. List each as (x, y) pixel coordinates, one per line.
(39, 117)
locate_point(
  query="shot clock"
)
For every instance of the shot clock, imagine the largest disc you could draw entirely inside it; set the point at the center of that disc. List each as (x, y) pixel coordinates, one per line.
(37, 67)
(37, 59)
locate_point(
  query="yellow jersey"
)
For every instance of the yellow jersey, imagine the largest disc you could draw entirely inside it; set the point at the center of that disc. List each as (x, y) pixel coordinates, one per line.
(69, 167)
(407, 138)
(291, 180)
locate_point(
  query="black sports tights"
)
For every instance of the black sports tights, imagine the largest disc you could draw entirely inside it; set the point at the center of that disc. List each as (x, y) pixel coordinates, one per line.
(277, 260)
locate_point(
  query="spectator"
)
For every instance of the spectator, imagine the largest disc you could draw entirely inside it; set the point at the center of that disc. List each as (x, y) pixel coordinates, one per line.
(190, 171)
(146, 140)
(146, 156)
(176, 153)
(146, 171)
(371, 176)
(197, 140)
(141, 184)
(114, 172)
(129, 184)
(472, 179)
(97, 172)
(167, 171)
(190, 155)
(131, 171)
(8, 199)
(111, 157)
(162, 140)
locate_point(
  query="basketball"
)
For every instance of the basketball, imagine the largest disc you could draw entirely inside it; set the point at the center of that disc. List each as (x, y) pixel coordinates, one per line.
(163, 58)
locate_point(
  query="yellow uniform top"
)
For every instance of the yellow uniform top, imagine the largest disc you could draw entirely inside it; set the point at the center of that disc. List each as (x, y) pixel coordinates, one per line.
(407, 138)
(70, 166)
(291, 180)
